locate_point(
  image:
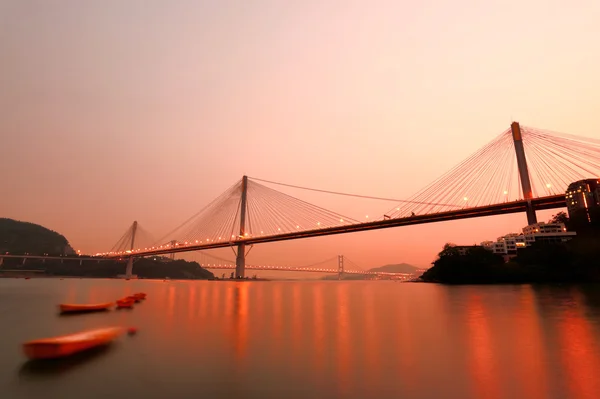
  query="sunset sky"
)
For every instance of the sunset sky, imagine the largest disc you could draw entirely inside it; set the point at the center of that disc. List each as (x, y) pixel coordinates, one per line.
(114, 111)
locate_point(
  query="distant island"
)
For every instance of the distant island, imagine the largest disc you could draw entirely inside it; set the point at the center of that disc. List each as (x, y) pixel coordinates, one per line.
(396, 268)
(574, 261)
(20, 238)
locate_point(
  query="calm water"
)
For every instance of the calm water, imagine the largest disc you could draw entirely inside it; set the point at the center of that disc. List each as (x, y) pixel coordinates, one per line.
(309, 340)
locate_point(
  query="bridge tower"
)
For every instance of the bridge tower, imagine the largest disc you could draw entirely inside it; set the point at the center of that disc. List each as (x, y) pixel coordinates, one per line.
(523, 171)
(340, 267)
(129, 268)
(240, 260)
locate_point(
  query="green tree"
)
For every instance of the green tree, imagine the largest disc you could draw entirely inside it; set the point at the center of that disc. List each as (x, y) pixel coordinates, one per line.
(560, 217)
(477, 265)
(449, 249)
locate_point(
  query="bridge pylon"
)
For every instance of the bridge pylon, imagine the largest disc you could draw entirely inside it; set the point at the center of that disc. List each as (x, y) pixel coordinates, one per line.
(340, 267)
(523, 171)
(129, 268)
(240, 260)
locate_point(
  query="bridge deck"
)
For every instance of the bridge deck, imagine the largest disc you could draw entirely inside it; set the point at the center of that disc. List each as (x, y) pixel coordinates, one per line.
(542, 203)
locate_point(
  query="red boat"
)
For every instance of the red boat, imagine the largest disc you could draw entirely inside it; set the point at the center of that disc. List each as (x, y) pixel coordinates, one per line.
(65, 345)
(81, 308)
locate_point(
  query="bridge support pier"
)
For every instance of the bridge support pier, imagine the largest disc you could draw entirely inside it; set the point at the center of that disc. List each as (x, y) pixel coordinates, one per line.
(523, 171)
(340, 267)
(24, 259)
(172, 254)
(1, 261)
(240, 260)
(129, 268)
(530, 211)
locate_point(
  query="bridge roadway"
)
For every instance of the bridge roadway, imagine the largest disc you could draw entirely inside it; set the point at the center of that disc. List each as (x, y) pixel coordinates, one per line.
(541, 203)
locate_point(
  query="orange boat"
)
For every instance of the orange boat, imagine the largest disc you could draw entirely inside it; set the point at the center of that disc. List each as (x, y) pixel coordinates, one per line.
(140, 295)
(125, 303)
(66, 345)
(131, 298)
(77, 308)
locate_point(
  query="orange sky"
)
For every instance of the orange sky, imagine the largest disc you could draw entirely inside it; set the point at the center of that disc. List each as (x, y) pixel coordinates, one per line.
(112, 111)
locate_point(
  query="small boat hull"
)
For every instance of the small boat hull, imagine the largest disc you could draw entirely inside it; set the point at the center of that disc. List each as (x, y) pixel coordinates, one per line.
(66, 345)
(132, 299)
(124, 303)
(79, 308)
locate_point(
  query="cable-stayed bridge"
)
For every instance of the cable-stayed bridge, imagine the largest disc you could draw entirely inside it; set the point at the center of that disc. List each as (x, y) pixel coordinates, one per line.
(522, 170)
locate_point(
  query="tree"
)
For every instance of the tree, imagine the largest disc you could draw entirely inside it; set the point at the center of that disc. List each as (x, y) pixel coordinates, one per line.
(560, 217)
(449, 250)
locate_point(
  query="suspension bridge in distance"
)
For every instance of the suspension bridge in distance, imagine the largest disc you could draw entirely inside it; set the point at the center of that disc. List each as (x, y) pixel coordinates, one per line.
(331, 265)
(522, 170)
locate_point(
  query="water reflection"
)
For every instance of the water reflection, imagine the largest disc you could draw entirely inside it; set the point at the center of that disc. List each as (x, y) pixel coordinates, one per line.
(579, 353)
(36, 369)
(203, 301)
(528, 347)
(214, 300)
(192, 301)
(297, 323)
(344, 343)
(276, 333)
(239, 335)
(405, 348)
(319, 333)
(171, 301)
(371, 342)
(482, 354)
(323, 339)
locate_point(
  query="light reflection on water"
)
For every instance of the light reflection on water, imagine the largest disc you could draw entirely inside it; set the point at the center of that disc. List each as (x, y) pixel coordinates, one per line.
(310, 339)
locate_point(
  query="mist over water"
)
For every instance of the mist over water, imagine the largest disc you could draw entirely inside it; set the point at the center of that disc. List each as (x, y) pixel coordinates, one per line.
(309, 339)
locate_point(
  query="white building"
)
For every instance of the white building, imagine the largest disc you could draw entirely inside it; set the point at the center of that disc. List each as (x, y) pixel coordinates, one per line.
(489, 245)
(547, 232)
(505, 245)
(539, 232)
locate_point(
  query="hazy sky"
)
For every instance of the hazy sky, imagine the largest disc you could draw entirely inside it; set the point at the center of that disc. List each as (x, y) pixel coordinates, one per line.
(112, 111)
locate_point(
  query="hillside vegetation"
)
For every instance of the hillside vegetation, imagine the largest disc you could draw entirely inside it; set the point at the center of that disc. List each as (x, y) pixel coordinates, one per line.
(19, 238)
(575, 261)
(143, 268)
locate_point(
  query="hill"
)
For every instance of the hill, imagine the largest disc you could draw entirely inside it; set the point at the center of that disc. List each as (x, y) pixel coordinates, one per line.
(143, 268)
(575, 261)
(18, 238)
(399, 268)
